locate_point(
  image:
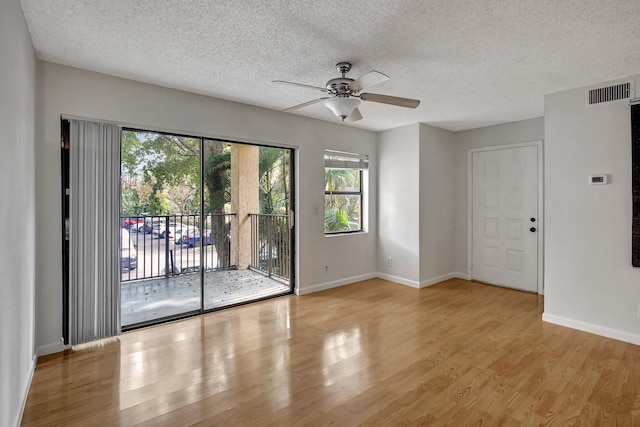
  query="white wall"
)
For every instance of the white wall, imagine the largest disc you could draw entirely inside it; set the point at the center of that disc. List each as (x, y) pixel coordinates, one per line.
(589, 281)
(422, 197)
(76, 92)
(509, 133)
(17, 211)
(398, 204)
(416, 204)
(437, 148)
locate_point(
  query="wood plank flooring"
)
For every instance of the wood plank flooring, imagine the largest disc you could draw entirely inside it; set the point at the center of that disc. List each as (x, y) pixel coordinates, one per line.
(371, 353)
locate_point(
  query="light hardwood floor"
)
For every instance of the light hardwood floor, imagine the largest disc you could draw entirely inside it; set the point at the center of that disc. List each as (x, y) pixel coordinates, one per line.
(372, 353)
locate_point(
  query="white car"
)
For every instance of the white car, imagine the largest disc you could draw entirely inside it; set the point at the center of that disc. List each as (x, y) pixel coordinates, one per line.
(173, 228)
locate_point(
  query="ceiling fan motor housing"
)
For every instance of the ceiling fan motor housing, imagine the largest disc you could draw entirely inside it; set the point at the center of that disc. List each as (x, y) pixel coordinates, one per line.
(339, 85)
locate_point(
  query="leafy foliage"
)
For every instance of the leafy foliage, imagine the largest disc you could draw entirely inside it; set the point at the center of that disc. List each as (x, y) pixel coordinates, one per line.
(342, 211)
(274, 180)
(336, 220)
(161, 176)
(217, 177)
(153, 167)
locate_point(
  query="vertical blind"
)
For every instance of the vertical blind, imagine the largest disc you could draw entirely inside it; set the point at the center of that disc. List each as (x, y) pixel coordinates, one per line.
(342, 160)
(94, 262)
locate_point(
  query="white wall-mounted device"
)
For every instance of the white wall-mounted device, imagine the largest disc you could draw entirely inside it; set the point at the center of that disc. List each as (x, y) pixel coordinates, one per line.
(598, 179)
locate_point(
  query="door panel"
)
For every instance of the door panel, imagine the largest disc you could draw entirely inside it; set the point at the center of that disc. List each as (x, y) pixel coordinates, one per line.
(504, 202)
(205, 225)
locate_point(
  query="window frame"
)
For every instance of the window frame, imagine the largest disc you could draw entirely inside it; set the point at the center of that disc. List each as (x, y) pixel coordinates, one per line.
(363, 166)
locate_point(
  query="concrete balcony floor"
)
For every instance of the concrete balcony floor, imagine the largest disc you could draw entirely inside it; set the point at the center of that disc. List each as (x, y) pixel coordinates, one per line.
(152, 299)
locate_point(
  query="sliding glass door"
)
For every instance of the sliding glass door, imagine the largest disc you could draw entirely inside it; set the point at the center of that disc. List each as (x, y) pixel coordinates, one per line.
(160, 194)
(204, 225)
(247, 208)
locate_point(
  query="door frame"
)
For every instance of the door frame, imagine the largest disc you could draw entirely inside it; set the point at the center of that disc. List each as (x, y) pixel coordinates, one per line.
(540, 215)
(294, 196)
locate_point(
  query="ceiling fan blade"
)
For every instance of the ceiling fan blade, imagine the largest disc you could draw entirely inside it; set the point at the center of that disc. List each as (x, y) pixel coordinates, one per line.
(366, 80)
(282, 82)
(305, 104)
(355, 115)
(392, 100)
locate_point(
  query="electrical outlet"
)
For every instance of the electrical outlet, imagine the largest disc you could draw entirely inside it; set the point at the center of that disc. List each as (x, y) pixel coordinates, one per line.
(389, 261)
(326, 269)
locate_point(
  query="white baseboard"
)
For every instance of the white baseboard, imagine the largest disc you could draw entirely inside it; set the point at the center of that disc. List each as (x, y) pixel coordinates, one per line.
(54, 347)
(424, 283)
(429, 282)
(334, 284)
(401, 280)
(25, 392)
(604, 331)
(389, 277)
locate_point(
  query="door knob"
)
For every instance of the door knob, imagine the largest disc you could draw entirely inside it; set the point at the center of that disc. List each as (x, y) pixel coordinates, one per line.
(532, 229)
(532, 219)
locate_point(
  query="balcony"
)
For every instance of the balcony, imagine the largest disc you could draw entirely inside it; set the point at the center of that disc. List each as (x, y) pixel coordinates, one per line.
(270, 245)
(164, 260)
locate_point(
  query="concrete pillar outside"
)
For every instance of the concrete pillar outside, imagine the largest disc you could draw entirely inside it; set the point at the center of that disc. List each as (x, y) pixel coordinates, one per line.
(244, 200)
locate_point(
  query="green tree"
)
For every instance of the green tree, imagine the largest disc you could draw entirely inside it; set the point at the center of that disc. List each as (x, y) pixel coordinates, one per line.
(160, 161)
(166, 170)
(129, 202)
(341, 211)
(274, 180)
(217, 179)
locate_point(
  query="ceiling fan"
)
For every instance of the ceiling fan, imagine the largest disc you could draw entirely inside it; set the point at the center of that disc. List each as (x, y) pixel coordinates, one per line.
(344, 93)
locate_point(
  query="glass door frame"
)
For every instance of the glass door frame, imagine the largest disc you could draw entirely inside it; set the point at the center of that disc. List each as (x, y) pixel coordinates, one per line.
(292, 226)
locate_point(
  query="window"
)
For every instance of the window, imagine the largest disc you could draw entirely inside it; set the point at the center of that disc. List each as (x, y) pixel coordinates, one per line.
(344, 175)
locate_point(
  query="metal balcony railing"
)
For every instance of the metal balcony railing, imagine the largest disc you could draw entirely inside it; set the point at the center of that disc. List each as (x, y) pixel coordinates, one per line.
(270, 245)
(169, 245)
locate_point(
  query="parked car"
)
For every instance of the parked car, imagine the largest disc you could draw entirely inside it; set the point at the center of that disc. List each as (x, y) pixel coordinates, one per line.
(175, 230)
(157, 226)
(192, 239)
(183, 233)
(150, 225)
(128, 251)
(129, 223)
(163, 230)
(180, 232)
(142, 227)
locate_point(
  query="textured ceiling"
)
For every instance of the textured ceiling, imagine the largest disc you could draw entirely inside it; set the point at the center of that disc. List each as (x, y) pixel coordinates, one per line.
(472, 63)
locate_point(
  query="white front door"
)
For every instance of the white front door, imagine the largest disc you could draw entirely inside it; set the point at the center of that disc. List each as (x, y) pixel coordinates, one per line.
(504, 217)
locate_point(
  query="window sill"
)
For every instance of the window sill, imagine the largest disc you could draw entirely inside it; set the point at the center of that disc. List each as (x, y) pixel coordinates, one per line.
(352, 233)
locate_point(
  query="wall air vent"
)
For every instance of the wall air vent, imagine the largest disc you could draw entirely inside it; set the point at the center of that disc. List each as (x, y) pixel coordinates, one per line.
(610, 93)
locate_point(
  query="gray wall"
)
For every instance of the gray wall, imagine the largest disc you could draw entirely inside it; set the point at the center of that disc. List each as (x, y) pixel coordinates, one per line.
(437, 149)
(589, 281)
(81, 93)
(17, 212)
(417, 196)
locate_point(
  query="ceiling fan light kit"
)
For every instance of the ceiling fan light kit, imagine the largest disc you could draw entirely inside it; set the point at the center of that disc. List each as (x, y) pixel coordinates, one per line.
(342, 107)
(345, 93)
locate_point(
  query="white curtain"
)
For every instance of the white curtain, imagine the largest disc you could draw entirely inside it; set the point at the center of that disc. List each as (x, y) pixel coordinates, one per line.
(94, 270)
